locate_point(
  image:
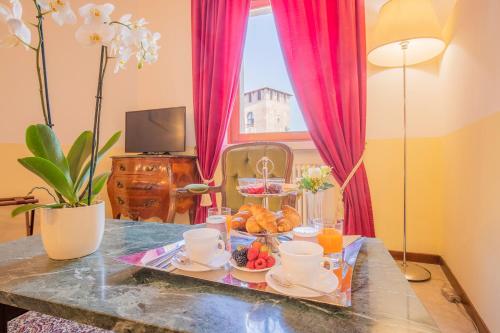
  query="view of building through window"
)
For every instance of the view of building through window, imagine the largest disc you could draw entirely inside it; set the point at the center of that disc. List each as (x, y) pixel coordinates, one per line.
(267, 103)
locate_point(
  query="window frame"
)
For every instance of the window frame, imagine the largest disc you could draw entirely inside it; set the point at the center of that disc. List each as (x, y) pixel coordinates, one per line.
(234, 132)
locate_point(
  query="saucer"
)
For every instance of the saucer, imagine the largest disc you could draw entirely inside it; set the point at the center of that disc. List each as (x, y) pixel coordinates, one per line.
(218, 261)
(325, 281)
(244, 269)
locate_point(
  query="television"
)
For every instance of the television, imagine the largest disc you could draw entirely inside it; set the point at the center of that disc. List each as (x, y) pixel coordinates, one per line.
(157, 131)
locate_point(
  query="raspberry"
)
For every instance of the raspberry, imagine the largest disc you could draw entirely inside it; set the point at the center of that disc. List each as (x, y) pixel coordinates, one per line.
(260, 263)
(270, 261)
(251, 264)
(263, 255)
(252, 253)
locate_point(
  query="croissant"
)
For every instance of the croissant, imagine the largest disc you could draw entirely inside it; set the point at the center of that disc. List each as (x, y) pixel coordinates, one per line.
(245, 214)
(246, 207)
(267, 221)
(238, 222)
(291, 215)
(285, 225)
(252, 226)
(257, 209)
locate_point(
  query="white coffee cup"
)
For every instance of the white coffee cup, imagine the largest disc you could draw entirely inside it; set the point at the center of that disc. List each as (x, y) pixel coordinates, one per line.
(302, 261)
(203, 244)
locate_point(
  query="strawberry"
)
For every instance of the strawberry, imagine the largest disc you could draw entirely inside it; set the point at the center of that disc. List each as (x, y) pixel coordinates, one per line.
(270, 261)
(252, 253)
(260, 263)
(251, 264)
(263, 255)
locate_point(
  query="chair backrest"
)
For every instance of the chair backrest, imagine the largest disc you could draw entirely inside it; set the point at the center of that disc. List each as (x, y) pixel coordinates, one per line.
(239, 161)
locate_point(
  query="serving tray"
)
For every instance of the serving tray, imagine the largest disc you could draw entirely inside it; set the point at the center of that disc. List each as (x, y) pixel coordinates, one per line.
(230, 276)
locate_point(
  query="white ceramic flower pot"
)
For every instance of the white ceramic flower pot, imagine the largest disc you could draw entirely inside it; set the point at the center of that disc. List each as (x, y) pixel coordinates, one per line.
(69, 233)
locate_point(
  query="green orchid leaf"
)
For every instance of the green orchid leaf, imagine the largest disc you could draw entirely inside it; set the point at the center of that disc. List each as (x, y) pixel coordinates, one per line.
(29, 207)
(97, 185)
(79, 153)
(42, 142)
(86, 169)
(52, 175)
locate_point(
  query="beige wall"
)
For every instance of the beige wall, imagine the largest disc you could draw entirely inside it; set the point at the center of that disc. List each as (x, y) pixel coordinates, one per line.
(469, 87)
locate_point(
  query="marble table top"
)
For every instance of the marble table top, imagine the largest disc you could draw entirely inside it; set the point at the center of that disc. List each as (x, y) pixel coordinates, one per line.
(100, 291)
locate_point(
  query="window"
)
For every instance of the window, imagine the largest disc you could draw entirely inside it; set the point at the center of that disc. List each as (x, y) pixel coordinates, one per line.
(267, 108)
(250, 120)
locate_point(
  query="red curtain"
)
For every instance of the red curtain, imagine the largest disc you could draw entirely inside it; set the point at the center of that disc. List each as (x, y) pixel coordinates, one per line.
(323, 42)
(218, 33)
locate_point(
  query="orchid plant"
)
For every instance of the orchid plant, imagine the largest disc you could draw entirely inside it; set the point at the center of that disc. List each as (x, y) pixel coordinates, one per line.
(315, 179)
(118, 40)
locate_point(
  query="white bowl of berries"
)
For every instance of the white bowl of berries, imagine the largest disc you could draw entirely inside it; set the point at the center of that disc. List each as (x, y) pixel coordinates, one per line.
(255, 258)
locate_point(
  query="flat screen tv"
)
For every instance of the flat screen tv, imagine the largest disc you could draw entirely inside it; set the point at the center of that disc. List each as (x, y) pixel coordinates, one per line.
(156, 131)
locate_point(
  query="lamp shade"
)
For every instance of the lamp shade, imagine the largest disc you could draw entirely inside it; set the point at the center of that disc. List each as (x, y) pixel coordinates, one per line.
(411, 21)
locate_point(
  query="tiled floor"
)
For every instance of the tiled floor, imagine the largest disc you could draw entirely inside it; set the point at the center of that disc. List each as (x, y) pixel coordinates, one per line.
(449, 317)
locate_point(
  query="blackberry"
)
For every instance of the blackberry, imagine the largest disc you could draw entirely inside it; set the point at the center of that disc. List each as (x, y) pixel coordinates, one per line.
(240, 257)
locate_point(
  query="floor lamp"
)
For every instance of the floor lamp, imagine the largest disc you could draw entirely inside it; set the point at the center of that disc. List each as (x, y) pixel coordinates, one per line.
(407, 33)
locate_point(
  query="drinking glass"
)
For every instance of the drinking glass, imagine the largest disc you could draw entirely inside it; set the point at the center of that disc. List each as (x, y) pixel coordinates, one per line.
(330, 238)
(220, 218)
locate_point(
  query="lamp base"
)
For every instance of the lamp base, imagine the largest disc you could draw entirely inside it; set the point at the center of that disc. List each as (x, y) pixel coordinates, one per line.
(414, 272)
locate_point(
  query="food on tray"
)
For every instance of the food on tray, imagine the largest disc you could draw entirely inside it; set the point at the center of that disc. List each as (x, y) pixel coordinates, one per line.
(257, 186)
(275, 185)
(251, 185)
(257, 256)
(253, 189)
(256, 219)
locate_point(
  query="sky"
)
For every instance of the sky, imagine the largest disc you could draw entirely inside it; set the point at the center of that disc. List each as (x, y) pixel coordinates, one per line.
(264, 65)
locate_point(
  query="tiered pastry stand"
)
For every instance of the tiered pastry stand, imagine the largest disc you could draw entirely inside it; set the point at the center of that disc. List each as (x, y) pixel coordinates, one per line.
(264, 167)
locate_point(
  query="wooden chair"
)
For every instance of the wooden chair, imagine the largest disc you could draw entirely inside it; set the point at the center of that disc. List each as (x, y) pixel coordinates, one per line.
(29, 216)
(239, 161)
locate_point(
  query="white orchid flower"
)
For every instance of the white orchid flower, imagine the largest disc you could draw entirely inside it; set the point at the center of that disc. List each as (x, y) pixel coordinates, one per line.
(122, 34)
(18, 31)
(93, 13)
(95, 34)
(61, 10)
(124, 55)
(148, 51)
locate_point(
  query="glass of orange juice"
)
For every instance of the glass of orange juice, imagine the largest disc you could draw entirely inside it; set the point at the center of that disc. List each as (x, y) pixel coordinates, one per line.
(330, 238)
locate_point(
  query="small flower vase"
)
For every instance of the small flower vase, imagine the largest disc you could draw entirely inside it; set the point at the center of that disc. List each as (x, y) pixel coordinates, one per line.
(314, 205)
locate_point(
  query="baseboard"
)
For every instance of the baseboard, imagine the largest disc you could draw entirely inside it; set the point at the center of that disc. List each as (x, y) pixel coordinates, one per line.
(417, 257)
(438, 260)
(469, 307)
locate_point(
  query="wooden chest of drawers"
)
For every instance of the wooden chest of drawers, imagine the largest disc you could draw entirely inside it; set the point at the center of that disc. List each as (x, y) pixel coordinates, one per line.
(140, 186)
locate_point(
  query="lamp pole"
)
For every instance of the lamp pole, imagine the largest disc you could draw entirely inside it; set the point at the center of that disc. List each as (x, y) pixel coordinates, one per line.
(412, 272)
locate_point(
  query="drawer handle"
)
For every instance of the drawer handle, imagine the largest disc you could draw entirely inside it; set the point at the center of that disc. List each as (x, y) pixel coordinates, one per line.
(122, 167)
(149, 203)
(120, 201)
(150, 168)
(119, 184)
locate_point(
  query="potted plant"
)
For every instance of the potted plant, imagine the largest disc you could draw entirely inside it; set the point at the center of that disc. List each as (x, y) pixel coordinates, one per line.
(73, 225)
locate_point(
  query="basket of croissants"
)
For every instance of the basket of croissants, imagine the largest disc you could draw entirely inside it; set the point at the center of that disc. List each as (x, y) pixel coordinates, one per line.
(258, 220)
